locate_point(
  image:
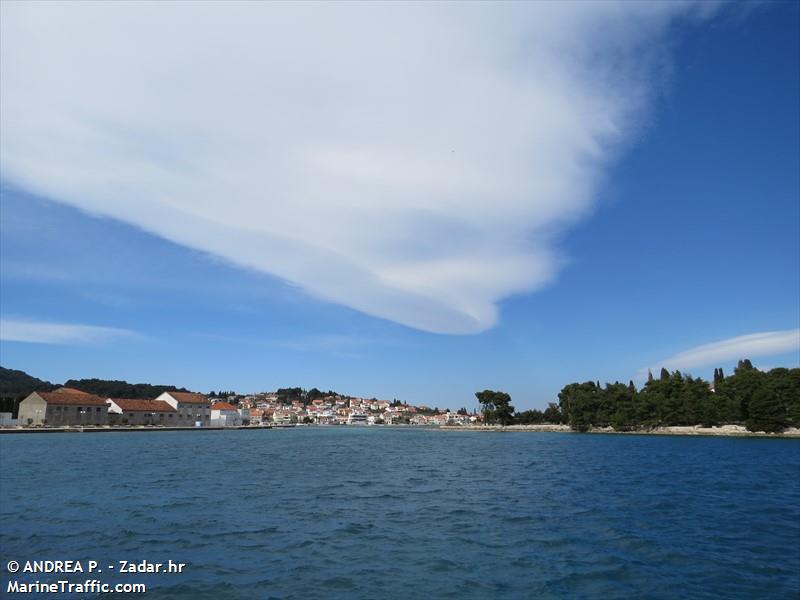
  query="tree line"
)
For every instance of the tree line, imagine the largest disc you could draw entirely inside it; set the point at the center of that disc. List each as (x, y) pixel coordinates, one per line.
(15, 386)
(294, 394)
(761, 401)
(112, 388)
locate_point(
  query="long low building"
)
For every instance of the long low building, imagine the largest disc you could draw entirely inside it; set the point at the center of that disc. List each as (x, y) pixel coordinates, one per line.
(71, 407)
(129, 411)
(64, 406)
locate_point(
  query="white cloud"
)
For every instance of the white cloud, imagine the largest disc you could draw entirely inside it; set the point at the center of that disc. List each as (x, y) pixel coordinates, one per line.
(769, 343)
(412, 161)
(41, 332)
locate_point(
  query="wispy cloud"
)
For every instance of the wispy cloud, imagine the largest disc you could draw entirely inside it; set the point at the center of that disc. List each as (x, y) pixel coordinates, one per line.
(42, 332)
(769, 343)
(412, 161)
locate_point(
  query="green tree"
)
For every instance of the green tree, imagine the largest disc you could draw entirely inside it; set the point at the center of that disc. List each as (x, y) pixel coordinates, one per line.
(622, 405)
(552, 414)
(697, 401)
(737, 391)
(766, 412)
(529, 417)
(767, 401)
(496, 407)
(786, 383)
(106, 388)
(288, 395)
(580, 404)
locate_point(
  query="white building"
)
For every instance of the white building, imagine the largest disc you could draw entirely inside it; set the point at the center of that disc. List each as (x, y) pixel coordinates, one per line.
(357, 418)
(283, 417)
(193, 410)
(225, 415)
(6, 420)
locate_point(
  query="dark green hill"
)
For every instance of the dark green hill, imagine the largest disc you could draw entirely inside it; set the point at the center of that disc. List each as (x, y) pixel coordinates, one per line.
(15, 385)
(121, 389)
(18, 383)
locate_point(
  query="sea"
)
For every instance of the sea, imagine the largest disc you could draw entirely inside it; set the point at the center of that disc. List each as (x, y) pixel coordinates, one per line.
(379, 512)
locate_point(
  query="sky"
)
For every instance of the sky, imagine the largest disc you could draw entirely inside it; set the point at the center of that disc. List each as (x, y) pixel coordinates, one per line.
(411, 201)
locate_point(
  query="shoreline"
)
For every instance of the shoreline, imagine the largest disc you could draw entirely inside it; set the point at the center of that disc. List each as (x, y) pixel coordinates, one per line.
(140, 429)
(691, 430)
(682, 430)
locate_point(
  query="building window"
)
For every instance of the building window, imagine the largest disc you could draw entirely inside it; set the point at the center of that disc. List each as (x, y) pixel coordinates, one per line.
(79, 409)
(98, 409)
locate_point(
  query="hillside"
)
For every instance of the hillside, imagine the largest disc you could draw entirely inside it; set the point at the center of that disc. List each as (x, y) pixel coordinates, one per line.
(106, 388)
(16, 385)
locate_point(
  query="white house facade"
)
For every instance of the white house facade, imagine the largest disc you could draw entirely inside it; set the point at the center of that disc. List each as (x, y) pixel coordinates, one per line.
(193, 410)
(225, 415)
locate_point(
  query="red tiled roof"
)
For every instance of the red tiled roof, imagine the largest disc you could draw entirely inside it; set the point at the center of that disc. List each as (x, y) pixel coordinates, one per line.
(189, 397)
(72, 398)
(223, 406)
(136, 405)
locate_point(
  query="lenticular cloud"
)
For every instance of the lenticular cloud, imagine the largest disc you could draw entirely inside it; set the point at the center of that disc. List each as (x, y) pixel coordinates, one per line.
(411, 161)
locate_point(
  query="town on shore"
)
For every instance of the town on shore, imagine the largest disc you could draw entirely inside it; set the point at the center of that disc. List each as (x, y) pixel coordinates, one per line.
(748, 401)
(72, 407)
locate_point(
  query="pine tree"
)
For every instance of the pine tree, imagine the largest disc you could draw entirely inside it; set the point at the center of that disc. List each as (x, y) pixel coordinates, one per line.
(766, 412)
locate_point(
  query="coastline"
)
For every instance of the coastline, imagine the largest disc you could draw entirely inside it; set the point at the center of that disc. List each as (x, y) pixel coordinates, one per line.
(722, 431)
(140, 429)
(684, 430)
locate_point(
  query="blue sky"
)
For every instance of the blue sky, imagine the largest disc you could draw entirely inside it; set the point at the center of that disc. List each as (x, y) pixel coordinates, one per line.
(630, 206)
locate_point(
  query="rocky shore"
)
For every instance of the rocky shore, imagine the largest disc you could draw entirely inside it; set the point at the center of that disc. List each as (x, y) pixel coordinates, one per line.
(723, 430)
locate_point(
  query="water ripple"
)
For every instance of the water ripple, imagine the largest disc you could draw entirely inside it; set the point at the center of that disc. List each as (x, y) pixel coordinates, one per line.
(399, 513)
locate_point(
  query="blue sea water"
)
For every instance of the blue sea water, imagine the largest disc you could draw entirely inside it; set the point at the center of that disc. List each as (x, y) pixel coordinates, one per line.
(405, 513)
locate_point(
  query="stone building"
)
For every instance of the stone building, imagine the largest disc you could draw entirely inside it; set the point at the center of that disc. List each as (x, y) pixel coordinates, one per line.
(127, 411)
(64, 406)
